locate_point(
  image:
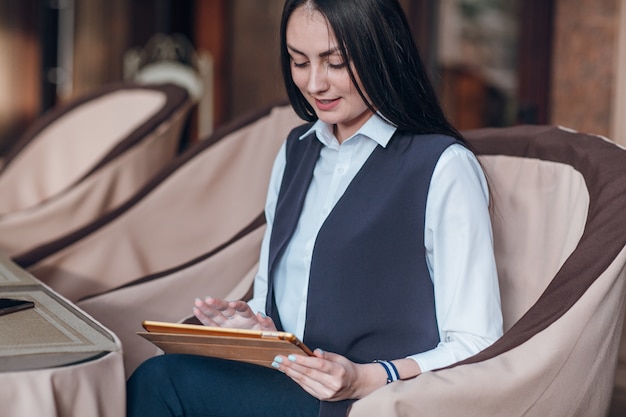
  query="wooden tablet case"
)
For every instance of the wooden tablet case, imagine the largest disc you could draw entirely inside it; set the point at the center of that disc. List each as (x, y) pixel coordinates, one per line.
(252, 346)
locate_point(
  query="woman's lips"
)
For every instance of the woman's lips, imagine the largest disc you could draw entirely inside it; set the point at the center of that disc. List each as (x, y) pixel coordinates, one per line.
(326, 105)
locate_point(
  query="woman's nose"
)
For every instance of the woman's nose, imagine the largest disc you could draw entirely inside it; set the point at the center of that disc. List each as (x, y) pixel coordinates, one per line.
(318, 79)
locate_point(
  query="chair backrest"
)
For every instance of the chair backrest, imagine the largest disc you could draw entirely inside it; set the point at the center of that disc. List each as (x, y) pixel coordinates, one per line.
(144, 150)
(539, 209)
(226, 272)
(559, 221)
(73, 141)
(195, 205)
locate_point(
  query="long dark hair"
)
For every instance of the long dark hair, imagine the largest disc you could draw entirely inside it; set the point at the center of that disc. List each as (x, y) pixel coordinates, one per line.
(374, 36)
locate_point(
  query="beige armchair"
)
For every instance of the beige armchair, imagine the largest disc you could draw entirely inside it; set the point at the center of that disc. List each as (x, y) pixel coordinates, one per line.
(559, 216)
(85, 158)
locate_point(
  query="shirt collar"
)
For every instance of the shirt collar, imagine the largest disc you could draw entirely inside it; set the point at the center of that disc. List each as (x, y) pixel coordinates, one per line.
(375, 128)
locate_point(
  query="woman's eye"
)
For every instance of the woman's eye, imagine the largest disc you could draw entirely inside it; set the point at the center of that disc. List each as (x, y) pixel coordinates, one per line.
(299, 64)
(337, 66)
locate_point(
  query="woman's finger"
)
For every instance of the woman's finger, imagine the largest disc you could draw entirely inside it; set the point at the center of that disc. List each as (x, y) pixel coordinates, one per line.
(241, 308)
(265, 323)
(216, 310)
(316, 383)
(204, 319)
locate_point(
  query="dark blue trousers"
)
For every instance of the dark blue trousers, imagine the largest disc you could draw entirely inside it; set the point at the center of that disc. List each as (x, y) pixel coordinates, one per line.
(197, 386)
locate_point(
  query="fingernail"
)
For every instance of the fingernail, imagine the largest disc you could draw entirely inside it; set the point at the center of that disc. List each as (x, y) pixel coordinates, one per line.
(292, 358)
(320, 351)
(197, 301)
(208, 298)
(276, 366)
(262, 314)
(278, 359)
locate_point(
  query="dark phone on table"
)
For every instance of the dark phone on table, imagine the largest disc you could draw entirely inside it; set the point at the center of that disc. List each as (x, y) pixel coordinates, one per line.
(9, 305)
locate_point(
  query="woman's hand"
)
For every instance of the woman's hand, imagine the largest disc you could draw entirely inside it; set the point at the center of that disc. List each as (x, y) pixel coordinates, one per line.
(331, 377)
(233, 314)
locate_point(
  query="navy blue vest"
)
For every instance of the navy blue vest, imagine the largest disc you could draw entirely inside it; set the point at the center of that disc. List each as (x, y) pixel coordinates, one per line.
(370, 295)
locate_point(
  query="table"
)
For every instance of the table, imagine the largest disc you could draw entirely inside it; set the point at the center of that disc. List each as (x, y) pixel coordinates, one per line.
(55, 360)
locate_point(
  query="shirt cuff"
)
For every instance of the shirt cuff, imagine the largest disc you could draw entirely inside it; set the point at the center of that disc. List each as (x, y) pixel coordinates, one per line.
(436, 358)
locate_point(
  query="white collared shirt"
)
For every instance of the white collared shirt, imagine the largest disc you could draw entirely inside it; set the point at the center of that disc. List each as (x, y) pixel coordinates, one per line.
(458, 241)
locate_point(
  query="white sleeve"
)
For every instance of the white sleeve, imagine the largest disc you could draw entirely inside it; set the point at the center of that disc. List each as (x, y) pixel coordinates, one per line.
(257, 303)
(459, 250)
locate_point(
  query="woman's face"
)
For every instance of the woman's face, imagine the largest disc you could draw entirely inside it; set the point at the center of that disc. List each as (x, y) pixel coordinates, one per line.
(318, 70)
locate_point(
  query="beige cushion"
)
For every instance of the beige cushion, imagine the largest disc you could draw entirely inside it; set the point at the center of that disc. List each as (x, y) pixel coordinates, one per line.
(539, 209)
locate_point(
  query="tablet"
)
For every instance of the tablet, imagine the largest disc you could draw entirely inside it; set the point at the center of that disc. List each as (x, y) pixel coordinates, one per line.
(252, 346)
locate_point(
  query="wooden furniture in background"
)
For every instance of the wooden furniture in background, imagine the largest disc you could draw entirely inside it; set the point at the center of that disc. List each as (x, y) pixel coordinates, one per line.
(211, 33)
(535, 60)
(19, 68)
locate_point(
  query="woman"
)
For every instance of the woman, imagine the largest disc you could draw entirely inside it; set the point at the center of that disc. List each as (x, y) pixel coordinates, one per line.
(378, 250)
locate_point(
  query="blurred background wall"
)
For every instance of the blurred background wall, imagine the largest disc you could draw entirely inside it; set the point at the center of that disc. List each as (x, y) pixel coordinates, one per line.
(494, 62)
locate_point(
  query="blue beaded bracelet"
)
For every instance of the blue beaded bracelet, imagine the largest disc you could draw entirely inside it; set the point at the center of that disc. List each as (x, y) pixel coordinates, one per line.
(390, 368)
